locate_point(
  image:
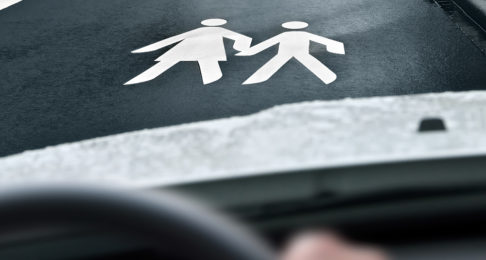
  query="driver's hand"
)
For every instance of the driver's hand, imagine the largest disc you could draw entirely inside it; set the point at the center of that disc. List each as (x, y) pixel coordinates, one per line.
(322, 245)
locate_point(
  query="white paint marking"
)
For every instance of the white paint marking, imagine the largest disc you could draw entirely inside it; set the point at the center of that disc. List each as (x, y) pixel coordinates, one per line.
(6, 3)
(293, 44)
(204, 45)
(214, 22)
(294, 25)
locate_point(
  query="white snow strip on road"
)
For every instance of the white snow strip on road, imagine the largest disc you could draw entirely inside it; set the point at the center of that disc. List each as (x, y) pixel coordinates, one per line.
(293, 136)
(6, 3)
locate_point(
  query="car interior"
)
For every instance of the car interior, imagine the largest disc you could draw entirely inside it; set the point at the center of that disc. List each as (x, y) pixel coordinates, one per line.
(419, 208)
(435, 212)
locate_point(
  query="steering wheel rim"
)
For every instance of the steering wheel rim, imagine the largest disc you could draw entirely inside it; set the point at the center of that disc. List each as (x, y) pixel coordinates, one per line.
(156, 217)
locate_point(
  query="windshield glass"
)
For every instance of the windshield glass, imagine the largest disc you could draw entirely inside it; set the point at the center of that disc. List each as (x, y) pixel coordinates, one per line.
(137, 91)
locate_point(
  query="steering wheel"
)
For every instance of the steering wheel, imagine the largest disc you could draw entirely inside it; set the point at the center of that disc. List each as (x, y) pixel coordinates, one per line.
(160, 218)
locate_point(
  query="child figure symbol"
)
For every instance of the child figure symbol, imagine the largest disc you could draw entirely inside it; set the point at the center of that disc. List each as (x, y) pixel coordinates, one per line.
(204, 45)
(293, 44)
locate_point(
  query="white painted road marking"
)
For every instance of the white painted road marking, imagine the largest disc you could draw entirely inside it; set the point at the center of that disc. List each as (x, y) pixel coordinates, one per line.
(293, 44)
(6, 3)
(204, 45)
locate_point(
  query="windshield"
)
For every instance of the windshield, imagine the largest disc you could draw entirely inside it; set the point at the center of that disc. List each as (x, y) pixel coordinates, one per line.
(146, 91)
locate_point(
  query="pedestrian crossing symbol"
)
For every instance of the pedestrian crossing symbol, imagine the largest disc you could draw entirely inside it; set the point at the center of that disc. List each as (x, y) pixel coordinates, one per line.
(205, 46)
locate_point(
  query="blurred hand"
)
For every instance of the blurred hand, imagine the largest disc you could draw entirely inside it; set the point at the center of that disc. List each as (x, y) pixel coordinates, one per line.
(321, 245)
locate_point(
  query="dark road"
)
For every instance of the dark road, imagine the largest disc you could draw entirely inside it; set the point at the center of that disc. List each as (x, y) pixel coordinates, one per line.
(63, 63)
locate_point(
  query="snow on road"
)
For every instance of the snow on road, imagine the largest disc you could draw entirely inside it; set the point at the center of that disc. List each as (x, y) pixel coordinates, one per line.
(293, 136)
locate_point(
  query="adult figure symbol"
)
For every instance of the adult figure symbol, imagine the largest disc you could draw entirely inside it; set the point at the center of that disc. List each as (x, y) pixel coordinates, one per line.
(293, 44)
(204, 45)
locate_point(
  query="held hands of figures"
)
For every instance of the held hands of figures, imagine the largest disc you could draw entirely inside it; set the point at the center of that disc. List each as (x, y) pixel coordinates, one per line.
(248, 51)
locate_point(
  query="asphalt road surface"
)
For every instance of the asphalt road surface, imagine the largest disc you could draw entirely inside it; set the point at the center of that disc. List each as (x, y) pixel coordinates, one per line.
(63, 63)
